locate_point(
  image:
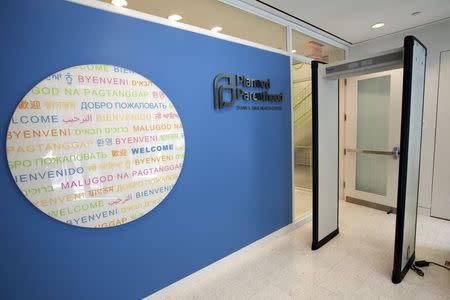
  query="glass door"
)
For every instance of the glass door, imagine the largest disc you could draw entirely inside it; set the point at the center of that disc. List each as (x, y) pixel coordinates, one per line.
(372, 138)
(302, 138)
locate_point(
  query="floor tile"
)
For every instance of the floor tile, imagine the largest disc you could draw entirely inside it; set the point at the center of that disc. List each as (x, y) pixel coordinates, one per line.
(357, 264)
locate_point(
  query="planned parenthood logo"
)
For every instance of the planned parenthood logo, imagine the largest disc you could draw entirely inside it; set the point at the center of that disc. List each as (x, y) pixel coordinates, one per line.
(228, 89)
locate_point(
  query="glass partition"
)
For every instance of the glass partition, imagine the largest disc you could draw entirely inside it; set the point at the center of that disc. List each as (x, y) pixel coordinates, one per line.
(209, 14)
(302, 140)
(310, 47)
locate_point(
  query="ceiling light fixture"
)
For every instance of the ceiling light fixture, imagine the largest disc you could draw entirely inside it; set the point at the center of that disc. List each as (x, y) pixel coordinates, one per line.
(293, 50)
(378, 25)
(175, 18)
(119, 3)
(216, 29)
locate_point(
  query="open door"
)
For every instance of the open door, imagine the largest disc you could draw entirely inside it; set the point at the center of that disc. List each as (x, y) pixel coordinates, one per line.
(325, 142)
(410, 147)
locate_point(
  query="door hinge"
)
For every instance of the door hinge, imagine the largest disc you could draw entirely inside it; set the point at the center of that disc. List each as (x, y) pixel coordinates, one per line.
(344, 184)
(345, 117)
(345, 81)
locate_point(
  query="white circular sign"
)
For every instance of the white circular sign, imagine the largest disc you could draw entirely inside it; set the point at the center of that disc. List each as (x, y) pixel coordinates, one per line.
(95, 145)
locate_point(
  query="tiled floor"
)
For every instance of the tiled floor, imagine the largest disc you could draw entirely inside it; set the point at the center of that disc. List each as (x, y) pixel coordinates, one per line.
(355, 265)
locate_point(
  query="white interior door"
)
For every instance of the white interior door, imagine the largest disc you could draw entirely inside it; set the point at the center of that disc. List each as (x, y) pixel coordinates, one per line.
(372, 135)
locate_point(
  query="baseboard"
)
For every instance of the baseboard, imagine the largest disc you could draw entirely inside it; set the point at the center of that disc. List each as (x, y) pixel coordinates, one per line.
(424, 211)
(236, 256)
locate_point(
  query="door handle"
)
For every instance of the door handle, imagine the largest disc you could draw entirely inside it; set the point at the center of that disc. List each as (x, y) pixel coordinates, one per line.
(395, 151)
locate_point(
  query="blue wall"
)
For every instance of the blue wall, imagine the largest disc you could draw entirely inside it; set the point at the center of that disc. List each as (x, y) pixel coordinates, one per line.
(235, 186)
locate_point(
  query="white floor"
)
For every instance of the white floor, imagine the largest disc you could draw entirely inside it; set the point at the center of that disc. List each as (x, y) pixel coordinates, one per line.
(355, 265)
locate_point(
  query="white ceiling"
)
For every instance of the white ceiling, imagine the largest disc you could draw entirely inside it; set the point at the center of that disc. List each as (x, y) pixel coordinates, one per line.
(351, 20)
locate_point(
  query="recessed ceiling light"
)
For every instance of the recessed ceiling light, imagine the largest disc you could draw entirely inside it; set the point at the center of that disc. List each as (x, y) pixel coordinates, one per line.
(293, 50)
(415, 13)
(119, 3)
(175, 18)
(216, 29)
(378, 25)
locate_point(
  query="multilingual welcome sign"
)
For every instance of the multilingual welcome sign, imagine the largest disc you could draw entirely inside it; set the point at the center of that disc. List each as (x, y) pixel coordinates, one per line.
(95, 145)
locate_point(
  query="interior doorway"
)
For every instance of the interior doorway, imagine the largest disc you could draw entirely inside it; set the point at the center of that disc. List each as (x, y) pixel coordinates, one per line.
(370, 108)
(302, 138)
(369, 90)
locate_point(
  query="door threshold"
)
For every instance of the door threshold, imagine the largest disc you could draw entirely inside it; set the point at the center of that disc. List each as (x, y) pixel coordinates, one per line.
(373, 205)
